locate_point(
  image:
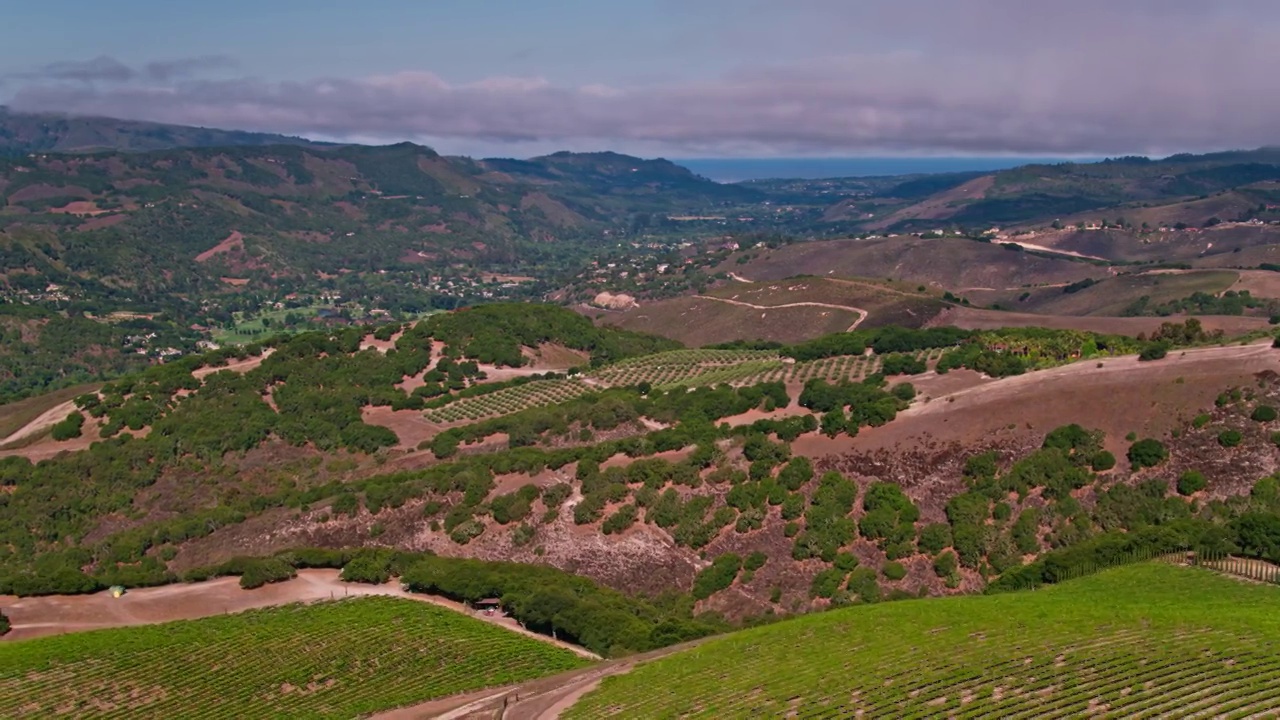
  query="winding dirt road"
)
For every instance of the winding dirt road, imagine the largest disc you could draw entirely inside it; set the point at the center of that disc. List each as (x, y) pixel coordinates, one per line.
(862, 314)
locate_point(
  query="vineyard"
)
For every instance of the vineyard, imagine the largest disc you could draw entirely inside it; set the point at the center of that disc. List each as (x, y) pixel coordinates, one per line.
(509, 400)
(687, 368)
(1147, 640)
(336, 659)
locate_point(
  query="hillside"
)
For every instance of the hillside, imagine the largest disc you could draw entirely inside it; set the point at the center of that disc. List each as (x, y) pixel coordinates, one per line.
(449, 435)
(788, 311)
(49, 132)
(137, 221)
(345, 658)
(1142, 640)
(1042, 193)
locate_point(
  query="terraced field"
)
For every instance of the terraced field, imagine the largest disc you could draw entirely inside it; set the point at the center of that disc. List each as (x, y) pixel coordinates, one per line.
(689, 367)
(334, 659)
(1150, 640)
(509, 400)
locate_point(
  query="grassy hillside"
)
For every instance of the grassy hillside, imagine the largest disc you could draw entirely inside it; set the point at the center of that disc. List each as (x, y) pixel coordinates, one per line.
(53, 132)
(944, 263)
(335, 659)
(787, 311)
(1141, 640)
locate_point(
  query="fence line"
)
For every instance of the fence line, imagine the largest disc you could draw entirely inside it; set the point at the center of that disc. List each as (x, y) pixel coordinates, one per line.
(1249, 568)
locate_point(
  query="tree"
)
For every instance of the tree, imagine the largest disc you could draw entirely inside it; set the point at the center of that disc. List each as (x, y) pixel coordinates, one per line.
(1191, 482)
(1263, 413)
(1230, 438)
(1147, 453)
(945, 564)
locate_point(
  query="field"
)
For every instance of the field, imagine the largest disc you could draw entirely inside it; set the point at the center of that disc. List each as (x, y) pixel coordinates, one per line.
(16, 415)
(332, 659)
(509, 400)
(943, 264)
(250, 331)
(1136, 641)
(1112, 295)
(697, 321)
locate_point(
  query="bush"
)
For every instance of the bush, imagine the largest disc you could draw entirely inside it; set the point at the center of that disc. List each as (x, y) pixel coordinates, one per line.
(945, 565)
(369, 569)
(720, 575)
(894, 570)
(1263, 413)
(1147, 453)
(934, 538)
(1191, 482)
(1102, 461)
(4, 623)
(1201, 420)
(261, 572)
(1230, 438)
(755, 561)
(69, 428)
(1153, 352)
(826, 583)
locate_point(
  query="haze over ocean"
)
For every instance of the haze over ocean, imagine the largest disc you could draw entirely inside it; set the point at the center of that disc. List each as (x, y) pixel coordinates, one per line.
(740, 169)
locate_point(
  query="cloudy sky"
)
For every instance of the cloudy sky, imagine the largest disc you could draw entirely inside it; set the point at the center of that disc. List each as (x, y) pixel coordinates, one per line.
(681, 78)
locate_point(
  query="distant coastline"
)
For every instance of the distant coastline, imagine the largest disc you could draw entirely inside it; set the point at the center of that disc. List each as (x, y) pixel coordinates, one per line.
(740, 169)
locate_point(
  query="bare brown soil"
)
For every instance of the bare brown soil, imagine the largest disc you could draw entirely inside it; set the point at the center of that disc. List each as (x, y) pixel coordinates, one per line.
(940, 205)
(234, 241)
(1259, 283)
(408, 425)
(239, 366)
(1123, 395)
(57, 614)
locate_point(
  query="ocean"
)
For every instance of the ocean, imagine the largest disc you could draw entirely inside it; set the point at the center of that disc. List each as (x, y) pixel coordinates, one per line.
(739, 169)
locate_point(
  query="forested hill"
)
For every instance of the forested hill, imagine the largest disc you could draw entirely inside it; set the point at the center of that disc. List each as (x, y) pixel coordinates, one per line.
(54, 132)
(198, 220)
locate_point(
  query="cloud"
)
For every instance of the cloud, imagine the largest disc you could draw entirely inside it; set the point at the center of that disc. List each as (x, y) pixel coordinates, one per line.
(166, 70)
(907, 76)
(101, 68)
(104, 69)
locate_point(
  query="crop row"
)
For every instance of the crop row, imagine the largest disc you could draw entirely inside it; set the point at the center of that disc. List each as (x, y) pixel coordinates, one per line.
(510, 400)
(344, 658)
(1018, 657)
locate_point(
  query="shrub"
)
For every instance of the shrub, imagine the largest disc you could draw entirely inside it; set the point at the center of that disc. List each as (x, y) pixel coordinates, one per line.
(69, 428)
(1201, 420)
(945, 564)
(1230, 438)
(1263, 413)
(367, 569)
(755, 561)
(4, 623)
(894, 570)
(1147, 453)
(1153, 352)
(261, 572)
(826, 583)
(720, 575)
(862, 583)
(1103, 460)
(1191, 482)
(846, 561)
(935, 537)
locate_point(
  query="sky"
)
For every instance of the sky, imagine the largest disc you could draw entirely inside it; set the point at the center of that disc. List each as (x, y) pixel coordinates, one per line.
(676, 78)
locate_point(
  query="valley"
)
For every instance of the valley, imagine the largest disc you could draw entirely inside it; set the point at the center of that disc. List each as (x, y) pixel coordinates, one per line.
(659, 420)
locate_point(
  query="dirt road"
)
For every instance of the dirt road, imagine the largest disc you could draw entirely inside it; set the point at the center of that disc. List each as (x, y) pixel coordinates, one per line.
(862, 314)
(42, 422)
(55, 614)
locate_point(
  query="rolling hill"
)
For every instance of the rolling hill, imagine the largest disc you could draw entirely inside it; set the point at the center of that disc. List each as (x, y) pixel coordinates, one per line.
(1141, 640)
(22, 133)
